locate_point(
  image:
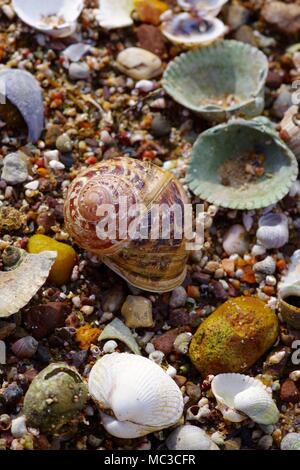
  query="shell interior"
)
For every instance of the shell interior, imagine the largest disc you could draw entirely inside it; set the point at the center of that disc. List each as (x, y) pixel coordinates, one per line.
(17, 287)
(115, 13)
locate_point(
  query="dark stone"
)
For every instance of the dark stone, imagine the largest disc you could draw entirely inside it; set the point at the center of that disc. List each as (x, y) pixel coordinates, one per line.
(12, 394)
(41, 320)
(151, 38)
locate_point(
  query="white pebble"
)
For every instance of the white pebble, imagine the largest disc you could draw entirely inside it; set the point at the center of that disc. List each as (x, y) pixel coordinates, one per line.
(87, 309)
(76, 301)
(149, 348)
(110, 346)
(295, 375)
(55, 165)
(271, 281)
(33, 185)
(51, 155)
(18, 427)
(157, 357)
(145, 85)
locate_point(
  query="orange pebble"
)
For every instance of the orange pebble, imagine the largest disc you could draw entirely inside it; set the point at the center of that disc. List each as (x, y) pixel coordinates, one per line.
(87, 335)
(249, 275)
(268, 290)
(228, 265)
(42, 171)
(193, 292)
(91, 160)
(281, 265)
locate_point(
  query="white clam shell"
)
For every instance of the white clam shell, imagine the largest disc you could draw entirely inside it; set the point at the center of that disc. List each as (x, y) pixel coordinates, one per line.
(273, 230)
(290, 442)
(56, 18)
(290, 284)
(141, 396)
(170, 29)
(17, 287)
(115, 13)
(206, 7)
(190, 437)
(239, 396)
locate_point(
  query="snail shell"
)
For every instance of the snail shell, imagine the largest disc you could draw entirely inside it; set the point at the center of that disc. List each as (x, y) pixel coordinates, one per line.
(190, 437)
(154, 265)
(140, 396)
(273, 230)
(239, 396)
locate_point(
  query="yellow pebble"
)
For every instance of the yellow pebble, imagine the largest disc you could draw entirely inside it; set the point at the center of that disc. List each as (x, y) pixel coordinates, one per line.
(86, 335)
(65, 261)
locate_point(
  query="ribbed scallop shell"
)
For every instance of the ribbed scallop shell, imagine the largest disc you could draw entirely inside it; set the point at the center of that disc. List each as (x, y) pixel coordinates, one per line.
(136, 390)
(224, 142)
(115, 13)
(190, 437)
(17, 287)
(290, 442)
(239, 396)
(23, 91)
(56, 18)
(273, 230)
(177, 30)
(241, 70)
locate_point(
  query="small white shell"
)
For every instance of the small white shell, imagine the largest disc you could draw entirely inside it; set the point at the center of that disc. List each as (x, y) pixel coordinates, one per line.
(290, 442)
(115, 13)
(56, 18)
(205, 7)
(183, 29)
(17, 287)
(290, 284)
(142, 397)
(273, 230)
(235, 240)
(190, 437)
(266, 266)
(239, 396)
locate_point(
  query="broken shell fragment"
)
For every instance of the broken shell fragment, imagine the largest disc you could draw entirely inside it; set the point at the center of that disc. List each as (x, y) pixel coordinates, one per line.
(22, 97)
(56, 18)
(135, 395)
(241, 396)
(191, 30)
(221, 172)
(139, 64)
(189, 437)
(273, 231)
(289, 293)
(239, 91)
(205, 7)
(115, 13)
(55, 399)
(117, 330)
(28, 273)
(290, 130)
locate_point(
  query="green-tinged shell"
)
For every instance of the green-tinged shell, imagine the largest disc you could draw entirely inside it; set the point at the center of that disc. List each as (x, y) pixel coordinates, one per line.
(117, 330)
(222, 80)
(55, 399)
(234, 337)
(237, 138)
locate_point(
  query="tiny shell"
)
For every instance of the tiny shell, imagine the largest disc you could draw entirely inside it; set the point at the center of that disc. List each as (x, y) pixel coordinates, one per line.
(23, 91)
(25, 347)
(205, 7)
(56, 18)
(17, 287)
(142, 397)
(139, 64)
(239, 396)
(115, 13)
(192, 30)
(117, 330)
(235, 240)
(266, 266)
(273, 230)
(291, 441)
(190, 437)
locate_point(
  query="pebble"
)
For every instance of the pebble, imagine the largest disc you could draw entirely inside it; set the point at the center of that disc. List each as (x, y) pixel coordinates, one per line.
(165, 341)
(55, 165)
(266, 266)
(282, 103)
(41, 320)
(235, 240)
(145, 86)
(33, 185)
(151, 38)
(137, 312)
(18, 427)
(285, 17)
(6, 329)
(289, 392)
(139, 64)
(179, 317)
(233, 444)
(110, 346)
(64, 143)
(15, 170)
(236, 16)
(113, 300)
(178, 297)
(79, 71)
(160, 126)
(265, 442)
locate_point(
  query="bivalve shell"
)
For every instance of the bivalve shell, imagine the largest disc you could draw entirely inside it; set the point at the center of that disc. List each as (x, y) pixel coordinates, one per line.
(115, 13)
(240, 396)
(190, 437)
(140, 396)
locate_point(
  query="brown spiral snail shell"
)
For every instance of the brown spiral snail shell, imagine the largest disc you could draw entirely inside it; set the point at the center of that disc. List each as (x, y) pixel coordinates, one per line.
(156, 265)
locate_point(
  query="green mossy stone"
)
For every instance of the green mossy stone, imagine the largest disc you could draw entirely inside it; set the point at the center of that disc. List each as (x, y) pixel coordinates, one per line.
(234, 337)
(55, 399)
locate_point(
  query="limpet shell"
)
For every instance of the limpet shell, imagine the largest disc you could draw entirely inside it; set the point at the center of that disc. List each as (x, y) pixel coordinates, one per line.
(227, 141)
(189, 437)
(19, 285)
(56, 18)
(239, 396)
(141, 397)
(23, 92)
(239, 91)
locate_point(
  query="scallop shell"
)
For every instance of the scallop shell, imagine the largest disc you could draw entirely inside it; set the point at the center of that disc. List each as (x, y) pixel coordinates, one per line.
(289, 291)
(239, 396)
(56, 18)
(290, 130)
(223, 142)
(115, 13)
(186, 29)
(23, 91)
(190, 437)
(273, 230)
(242, 71)
(291, 441)
(141, 396)
(17, 287)
(205, 7)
